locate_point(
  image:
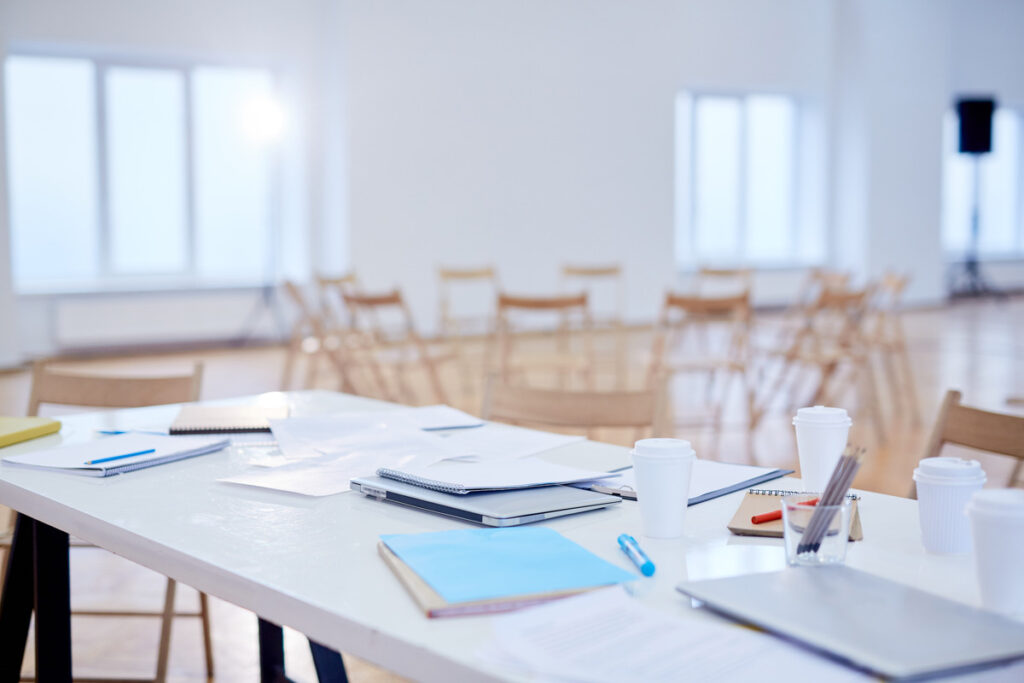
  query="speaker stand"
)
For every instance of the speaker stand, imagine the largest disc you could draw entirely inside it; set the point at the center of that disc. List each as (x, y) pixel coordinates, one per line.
(966, 279)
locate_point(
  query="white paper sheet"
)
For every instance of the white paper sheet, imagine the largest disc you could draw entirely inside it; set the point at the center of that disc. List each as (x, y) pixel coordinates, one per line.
(606, 636)
(461, 477)
(356, 454)
(502, 442)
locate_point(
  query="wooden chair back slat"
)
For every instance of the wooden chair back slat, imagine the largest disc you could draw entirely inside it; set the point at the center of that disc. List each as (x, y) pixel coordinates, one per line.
(64, 387)
(542, 303)
(641, 410)
(982, 430)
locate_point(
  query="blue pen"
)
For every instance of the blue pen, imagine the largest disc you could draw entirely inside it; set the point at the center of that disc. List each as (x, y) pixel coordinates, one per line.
(638, 556)
(119, 457)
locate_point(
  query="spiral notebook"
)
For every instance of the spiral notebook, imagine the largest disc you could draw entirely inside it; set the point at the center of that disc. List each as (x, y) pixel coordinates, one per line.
(461, 478)
(117, 454)
(199, 419)
(760, 501)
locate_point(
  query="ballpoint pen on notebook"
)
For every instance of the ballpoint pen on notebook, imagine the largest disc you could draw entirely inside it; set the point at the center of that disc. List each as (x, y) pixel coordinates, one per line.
(97, 461)
(638, 556)
(776, 514)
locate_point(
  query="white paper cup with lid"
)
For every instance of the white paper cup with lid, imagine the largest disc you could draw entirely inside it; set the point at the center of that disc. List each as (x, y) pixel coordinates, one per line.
(662, 468)
(944, 487)
(997, 523)
(821, 435)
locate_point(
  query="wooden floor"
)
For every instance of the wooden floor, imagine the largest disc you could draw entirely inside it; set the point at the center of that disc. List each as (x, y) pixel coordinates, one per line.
(977, 347)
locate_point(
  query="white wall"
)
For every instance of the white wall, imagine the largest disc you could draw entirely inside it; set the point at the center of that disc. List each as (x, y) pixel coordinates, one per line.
(533, 133)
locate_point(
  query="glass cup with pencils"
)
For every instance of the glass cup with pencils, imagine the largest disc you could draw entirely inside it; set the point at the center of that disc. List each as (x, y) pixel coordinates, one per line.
(829, 531)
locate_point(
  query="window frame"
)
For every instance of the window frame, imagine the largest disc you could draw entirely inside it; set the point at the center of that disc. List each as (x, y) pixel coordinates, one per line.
(107, 279)
(685, 220)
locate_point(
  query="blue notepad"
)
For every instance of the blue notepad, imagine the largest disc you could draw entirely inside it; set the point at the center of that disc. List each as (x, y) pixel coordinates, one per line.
(484, 564)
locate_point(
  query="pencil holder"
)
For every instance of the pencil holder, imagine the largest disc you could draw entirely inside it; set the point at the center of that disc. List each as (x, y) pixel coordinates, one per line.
(811, 540)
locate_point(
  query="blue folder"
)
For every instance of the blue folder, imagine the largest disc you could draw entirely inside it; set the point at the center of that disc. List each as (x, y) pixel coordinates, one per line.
(482, 564)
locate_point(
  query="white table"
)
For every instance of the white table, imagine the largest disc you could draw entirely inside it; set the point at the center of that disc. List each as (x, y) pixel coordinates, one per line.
(312, 564)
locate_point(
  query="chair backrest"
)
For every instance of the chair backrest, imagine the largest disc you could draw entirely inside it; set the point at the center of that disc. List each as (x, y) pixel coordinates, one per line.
(979, 429)
(585, 410)
(368, 311)
(54, 386)
(482, 282)
(722, 281)
(574, 329)
(600, 282)
(702, 316)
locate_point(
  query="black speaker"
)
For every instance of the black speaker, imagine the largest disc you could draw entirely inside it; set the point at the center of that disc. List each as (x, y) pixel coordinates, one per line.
(975, 125)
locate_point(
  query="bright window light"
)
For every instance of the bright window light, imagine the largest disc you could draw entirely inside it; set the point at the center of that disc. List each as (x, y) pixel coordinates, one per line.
(263, 119)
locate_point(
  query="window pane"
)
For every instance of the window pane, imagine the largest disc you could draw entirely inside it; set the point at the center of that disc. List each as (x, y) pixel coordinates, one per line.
(717, 176)
(51, 152)
(146, 160)
(956, 190)
(233, 198)
(999, 183)
(770, 175)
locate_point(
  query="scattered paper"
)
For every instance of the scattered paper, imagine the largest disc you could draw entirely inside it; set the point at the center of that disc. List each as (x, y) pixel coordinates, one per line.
(357, 454)
(606, 636)
(431, 418)
(502, 442)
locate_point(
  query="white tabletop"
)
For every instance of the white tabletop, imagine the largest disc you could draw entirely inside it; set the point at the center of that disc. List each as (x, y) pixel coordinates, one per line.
(312, 563)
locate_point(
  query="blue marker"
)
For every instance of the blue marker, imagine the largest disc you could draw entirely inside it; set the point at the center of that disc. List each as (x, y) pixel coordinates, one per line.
(638, 556)
(118, 457)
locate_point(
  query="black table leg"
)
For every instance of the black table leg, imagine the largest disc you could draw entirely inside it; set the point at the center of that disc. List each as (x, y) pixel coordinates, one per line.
(52, 604)
(17, 598)
(329, 666)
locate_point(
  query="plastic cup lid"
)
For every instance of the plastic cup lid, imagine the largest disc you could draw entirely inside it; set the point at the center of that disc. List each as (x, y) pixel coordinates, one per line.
(1002, 502)
(953, 470)
(824, 415)
(663, 447)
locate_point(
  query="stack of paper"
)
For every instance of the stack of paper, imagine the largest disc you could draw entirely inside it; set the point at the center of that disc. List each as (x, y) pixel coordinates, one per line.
(607, 637)
(462, 478)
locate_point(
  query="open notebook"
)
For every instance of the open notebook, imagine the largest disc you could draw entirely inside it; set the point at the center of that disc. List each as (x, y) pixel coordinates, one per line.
(118, 454)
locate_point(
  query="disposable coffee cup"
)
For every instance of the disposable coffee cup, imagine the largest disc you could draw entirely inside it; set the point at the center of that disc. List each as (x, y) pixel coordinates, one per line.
(997, 522)
(821, 435)
(944, 487)
(662, 468)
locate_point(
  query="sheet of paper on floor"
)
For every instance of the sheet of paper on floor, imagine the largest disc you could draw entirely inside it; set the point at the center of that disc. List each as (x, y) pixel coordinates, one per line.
(606, 636)
(357, 454)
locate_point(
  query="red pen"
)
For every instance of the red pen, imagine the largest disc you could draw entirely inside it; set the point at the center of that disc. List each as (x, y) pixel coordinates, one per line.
(776, 514)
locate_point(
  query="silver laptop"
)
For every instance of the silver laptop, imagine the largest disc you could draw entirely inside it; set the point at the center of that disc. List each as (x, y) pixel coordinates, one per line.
(498, 508)
(865, 620)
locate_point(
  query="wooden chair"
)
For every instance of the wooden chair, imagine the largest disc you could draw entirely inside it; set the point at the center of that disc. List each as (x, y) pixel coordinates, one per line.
(457, 287)
(331, 292)
(831, 342)
(884, 333)
(979, 429)
(721, 282)
(51, 386)
(718, 331)
(573, 350)
(584, 410)
(399, 349)
(606, 280)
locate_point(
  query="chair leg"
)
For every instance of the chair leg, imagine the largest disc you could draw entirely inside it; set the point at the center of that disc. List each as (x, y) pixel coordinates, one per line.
(204, 615)
(166, 622)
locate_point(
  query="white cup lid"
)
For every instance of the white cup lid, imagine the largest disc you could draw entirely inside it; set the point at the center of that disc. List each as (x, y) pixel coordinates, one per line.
(824, 415)
(948, 469)
(1002, 502)
(663, 447)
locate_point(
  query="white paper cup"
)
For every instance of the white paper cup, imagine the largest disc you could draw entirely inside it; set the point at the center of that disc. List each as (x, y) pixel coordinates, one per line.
(821, 434)
(944, 487)
(662, 468)
(997, 521)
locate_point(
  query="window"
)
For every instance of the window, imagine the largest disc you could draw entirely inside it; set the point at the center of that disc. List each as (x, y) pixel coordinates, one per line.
(736, 196)
(121, 172)
(1000, 214)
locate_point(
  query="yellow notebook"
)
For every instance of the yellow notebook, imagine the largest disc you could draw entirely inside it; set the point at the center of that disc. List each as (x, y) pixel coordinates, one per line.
(17, 429)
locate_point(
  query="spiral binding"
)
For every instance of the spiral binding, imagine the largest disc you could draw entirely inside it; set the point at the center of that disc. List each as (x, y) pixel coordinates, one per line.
(782, 492)
(433, 484)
